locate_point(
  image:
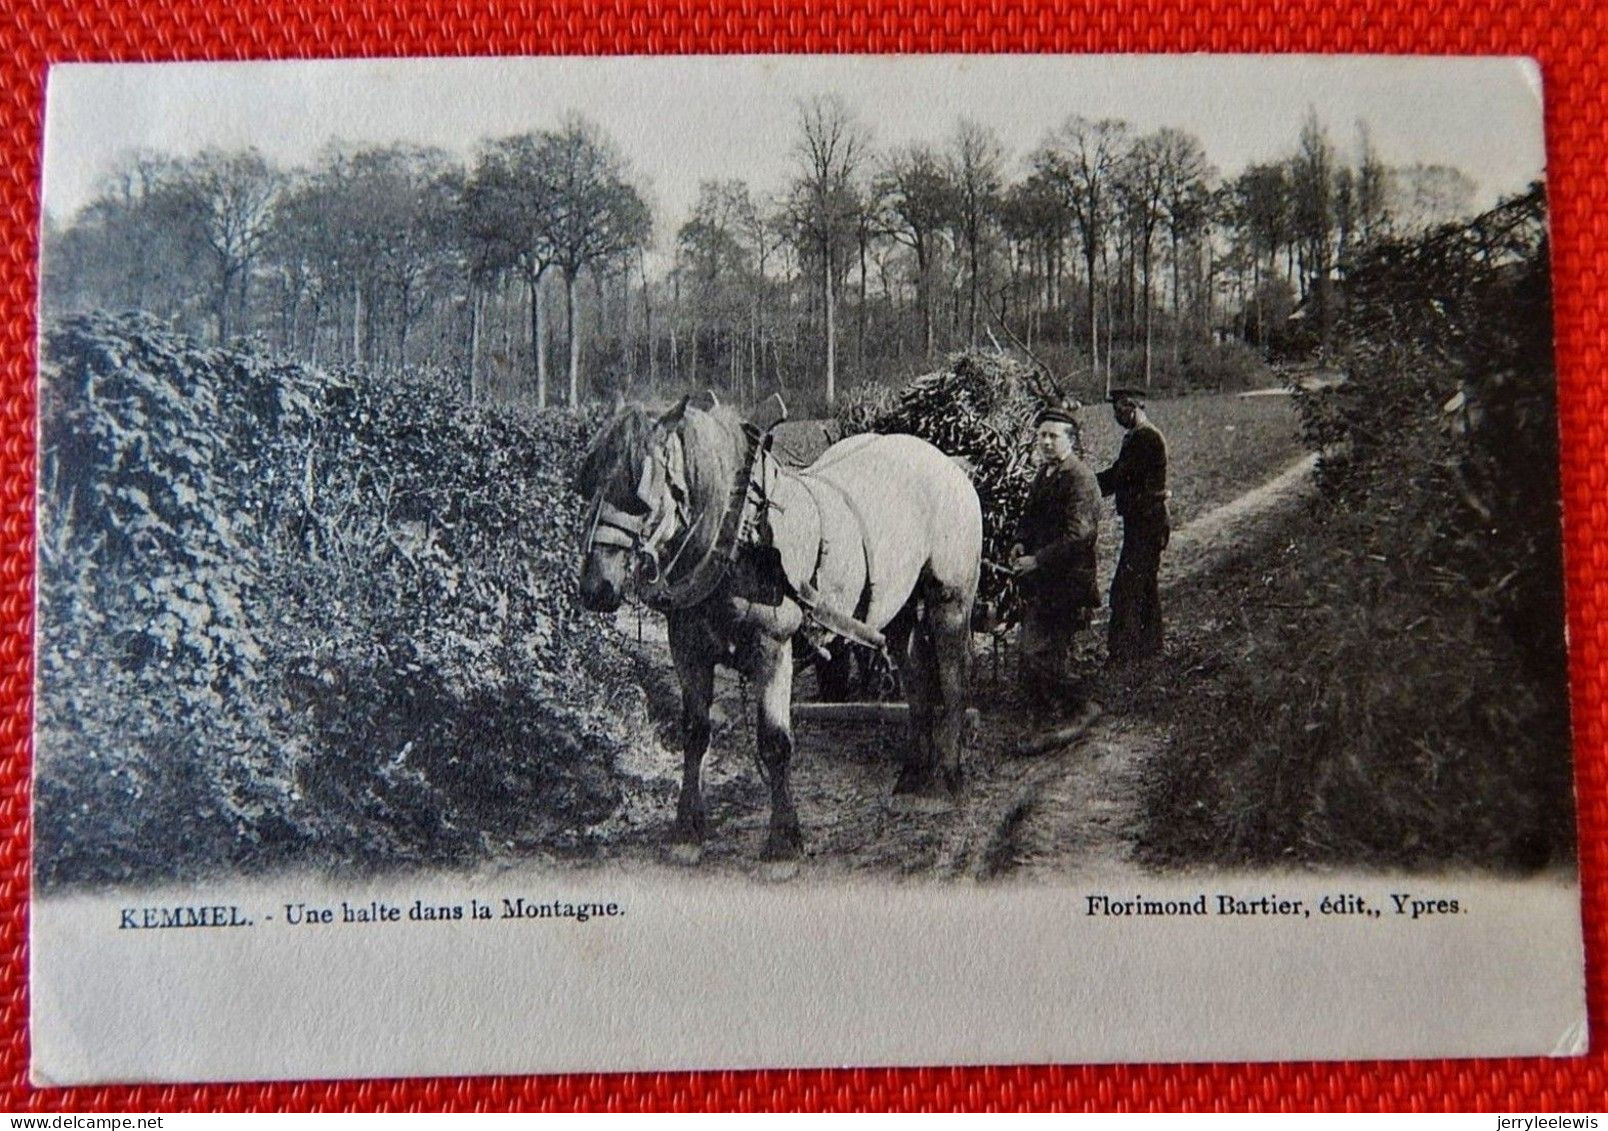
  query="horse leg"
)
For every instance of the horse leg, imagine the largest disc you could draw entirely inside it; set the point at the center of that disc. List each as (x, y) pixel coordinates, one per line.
(774, 677)
(949, 626)
(917, 676)
(696, 671)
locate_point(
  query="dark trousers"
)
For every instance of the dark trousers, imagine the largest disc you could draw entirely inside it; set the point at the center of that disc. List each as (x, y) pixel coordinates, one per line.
(1049, 631)
(1135, 598)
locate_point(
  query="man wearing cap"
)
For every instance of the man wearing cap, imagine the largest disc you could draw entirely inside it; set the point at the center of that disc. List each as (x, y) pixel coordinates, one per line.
(1054, 559)
(1139, 481)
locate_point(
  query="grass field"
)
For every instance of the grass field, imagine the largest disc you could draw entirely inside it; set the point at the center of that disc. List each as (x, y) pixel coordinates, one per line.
(1219, 445)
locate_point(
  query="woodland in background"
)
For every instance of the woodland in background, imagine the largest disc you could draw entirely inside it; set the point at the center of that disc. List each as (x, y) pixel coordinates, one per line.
(536, 271)
(306, 535)
(322, 617)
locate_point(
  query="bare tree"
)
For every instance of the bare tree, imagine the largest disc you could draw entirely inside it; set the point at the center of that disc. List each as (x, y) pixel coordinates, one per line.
(1186, 201)
(1312, 183)
(918, 203)
(1259, 212)
(508, 217)
(1142, 181)
(1373, 183)
(1082, 157)
(1034, 215)
(136, 246)
(388, 214)
(717, 265)
(598, 216)
(233, 196)
(828, 153)
(974, 172)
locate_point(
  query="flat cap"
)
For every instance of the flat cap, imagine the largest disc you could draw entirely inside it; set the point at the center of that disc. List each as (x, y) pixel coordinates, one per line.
(1137, 396)
(1056, 414)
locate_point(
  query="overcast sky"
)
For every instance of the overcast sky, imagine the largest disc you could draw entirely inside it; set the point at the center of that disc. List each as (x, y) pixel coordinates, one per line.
(680, 120)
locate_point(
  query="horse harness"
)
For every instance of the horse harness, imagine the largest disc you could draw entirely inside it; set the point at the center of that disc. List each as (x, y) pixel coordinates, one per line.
(851, 626)
(744, 525)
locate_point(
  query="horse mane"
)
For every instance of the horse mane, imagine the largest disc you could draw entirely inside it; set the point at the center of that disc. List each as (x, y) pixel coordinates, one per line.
(711, 440)
(713, 443)
(616, 453)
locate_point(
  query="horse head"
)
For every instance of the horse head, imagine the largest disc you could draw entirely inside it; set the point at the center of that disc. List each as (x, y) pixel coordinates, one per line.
(655, 485)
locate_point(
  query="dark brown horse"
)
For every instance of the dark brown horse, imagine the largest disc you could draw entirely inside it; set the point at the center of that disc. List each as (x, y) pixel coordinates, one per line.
(880, 541)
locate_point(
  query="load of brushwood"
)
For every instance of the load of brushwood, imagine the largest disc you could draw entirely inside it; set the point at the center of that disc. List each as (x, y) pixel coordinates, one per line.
(978, 409)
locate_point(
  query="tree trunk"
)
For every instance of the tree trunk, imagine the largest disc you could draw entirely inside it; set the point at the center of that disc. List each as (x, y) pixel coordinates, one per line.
(1256, 299)
(245, 286)
(357, 320)
(860, 327)
(220, 307)
(403, 317)
(971, 330)
(1178, 302)
(647, 320)
(924, 297)
(831, 328)
(574, 341)
(538, 338)
(317, 315)
(1090, 257)
(1146, 274)
(476, 305)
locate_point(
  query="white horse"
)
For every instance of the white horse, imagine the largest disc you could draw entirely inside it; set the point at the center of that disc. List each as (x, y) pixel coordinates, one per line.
(879, 540)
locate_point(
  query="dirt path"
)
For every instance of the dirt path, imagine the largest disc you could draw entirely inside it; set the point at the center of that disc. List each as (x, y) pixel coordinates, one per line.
(1075, 808)
(1200, 543)
(1061, 813)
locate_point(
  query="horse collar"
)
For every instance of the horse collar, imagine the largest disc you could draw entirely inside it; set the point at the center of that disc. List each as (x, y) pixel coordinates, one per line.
(711, 570)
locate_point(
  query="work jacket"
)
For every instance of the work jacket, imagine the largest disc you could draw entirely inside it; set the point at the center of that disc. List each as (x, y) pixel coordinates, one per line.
(1139, 477)
(1059, 527)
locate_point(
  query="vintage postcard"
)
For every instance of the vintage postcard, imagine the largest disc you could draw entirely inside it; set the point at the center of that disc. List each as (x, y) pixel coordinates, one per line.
(648, 563)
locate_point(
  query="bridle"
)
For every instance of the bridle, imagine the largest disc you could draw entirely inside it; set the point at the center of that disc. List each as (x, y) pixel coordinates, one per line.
(664, 520)
(667, 525)
(645, 534)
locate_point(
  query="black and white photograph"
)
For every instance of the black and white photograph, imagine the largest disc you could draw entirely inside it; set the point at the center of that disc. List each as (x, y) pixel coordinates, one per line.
(620, 563)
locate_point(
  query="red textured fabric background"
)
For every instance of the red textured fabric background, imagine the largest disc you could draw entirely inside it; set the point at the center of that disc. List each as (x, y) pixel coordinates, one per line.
(1569, 38)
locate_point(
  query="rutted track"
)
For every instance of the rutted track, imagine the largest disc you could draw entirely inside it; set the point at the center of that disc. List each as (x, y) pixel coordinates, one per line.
(1076, 807)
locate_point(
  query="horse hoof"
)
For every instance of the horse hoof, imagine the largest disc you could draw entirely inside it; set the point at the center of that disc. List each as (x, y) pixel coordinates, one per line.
(685, 854)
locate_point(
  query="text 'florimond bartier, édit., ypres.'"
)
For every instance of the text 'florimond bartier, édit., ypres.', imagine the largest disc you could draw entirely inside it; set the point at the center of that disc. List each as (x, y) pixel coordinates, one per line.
(1273, 906)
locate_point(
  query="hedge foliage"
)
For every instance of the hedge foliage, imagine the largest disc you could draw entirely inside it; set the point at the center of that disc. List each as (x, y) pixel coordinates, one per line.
(1392, 688)
(296, 615)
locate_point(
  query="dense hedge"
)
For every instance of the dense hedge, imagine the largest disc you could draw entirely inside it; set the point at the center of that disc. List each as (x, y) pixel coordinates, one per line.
(1391, 687)
(296, 615)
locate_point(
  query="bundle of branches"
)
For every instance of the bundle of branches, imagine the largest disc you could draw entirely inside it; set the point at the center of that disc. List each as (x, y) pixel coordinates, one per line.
(979, 409)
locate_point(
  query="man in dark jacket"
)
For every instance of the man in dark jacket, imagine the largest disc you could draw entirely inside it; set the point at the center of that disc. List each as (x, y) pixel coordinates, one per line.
(1139, 481)
(1054, 558)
